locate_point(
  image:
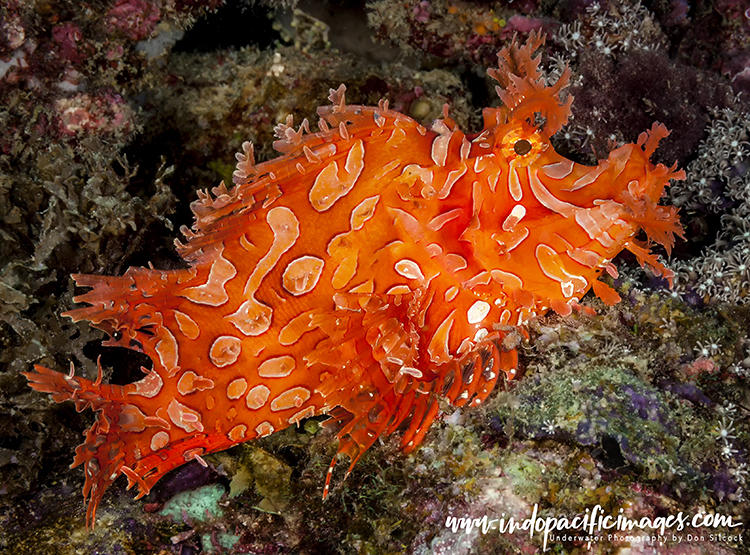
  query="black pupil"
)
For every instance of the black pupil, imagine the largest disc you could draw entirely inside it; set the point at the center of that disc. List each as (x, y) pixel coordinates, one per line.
(522, 147)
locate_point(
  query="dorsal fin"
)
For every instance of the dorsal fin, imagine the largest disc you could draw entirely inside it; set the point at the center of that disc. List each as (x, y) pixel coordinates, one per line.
(305, 155)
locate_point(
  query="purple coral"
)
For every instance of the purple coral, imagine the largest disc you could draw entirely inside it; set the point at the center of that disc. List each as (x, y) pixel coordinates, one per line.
(136, 19)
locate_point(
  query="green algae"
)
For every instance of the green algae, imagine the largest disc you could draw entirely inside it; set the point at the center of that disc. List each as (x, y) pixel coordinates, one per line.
(198, 505)
(219, 542)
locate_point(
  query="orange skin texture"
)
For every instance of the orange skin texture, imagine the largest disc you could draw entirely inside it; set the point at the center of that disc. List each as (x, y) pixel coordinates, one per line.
(372, 269)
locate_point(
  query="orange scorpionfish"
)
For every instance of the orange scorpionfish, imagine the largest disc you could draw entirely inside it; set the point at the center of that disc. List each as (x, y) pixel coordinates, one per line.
(373, 268)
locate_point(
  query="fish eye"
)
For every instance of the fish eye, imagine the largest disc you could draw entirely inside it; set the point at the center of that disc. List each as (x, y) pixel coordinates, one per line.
(522, 147)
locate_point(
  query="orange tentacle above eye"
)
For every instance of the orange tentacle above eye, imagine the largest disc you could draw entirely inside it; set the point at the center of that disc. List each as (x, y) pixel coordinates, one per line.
(372, 269)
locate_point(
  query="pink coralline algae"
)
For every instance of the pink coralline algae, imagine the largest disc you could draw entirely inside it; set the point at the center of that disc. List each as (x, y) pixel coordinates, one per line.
(100, 114)
(521, 24)
(12, 32)
(700, 366)
(136, 19)
(422, 12)
(68, 36)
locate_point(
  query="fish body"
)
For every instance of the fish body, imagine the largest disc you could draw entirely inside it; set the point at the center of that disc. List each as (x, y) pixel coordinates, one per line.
(372, 269)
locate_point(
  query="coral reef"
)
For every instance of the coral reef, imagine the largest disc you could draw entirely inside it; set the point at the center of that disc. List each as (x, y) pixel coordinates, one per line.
(111, 122)
(625, 76)
(718, 187)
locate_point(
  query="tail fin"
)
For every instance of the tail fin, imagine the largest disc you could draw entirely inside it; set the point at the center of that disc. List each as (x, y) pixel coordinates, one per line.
(124, 438)
(103, 459)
